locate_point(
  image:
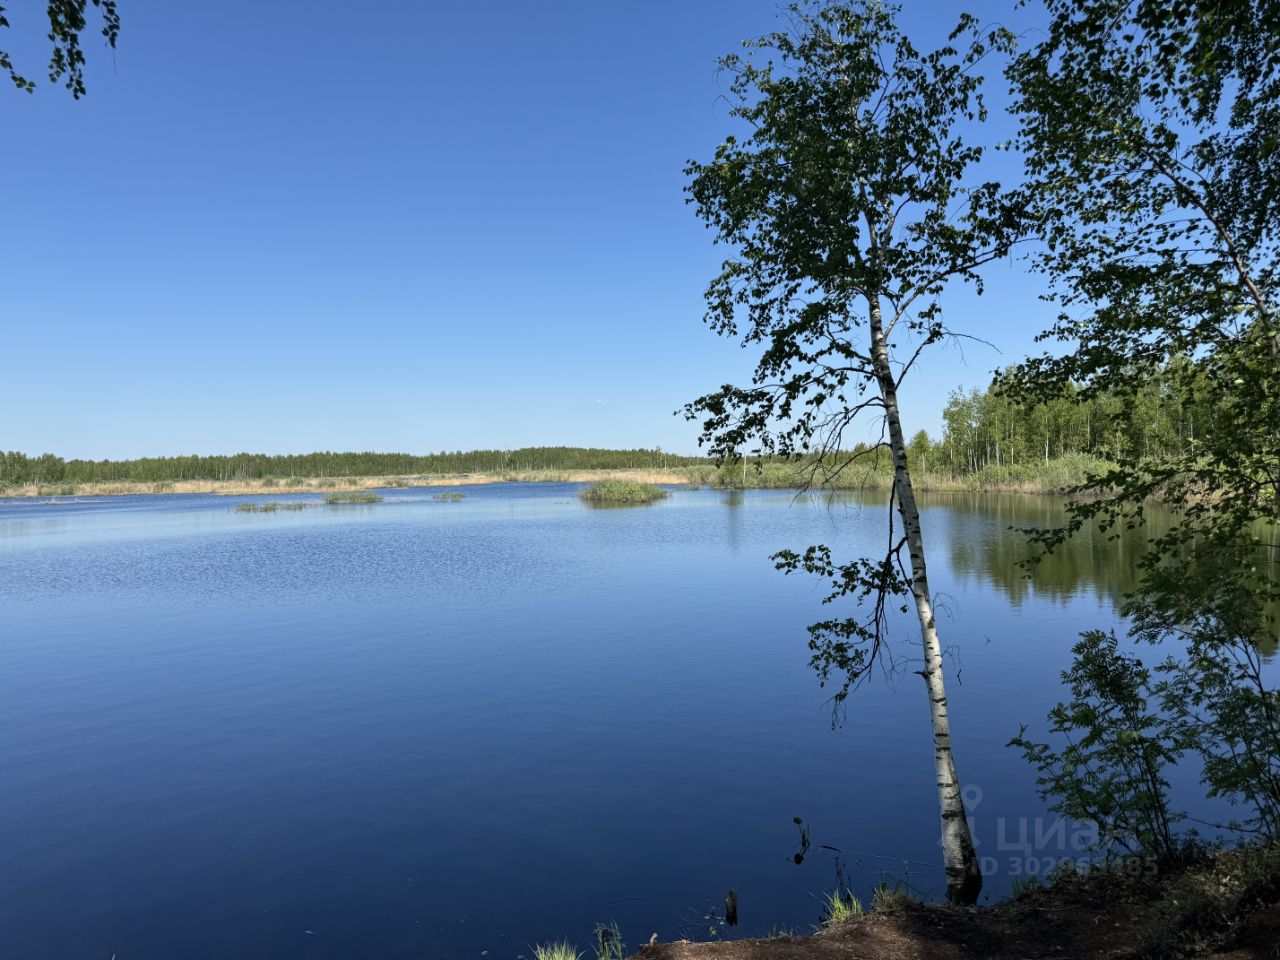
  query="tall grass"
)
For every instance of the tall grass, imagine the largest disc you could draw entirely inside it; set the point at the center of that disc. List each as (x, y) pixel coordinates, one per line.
(608, 941)
(622, 491)
(871, 473)
(838, 907)
(563, 950)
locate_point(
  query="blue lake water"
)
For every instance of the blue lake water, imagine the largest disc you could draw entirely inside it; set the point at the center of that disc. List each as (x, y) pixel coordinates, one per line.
(422, 729)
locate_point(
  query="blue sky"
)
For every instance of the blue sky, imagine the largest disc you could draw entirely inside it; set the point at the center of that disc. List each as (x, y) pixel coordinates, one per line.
(285, 226)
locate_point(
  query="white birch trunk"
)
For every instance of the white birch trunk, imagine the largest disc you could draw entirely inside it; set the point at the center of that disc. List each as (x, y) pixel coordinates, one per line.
(960, 860)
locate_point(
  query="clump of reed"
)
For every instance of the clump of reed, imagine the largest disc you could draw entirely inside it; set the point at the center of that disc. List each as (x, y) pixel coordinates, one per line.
(556, 951)
(354, 496)
(449, 496)
(608, 941)
(270, 506)
(838, 907)
(615, 491)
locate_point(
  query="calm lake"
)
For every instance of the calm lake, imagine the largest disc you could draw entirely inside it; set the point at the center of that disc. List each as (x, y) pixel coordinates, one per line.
(424, 729)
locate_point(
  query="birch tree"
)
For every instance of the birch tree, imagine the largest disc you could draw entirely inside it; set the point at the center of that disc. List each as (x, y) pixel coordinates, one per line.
(851, 206)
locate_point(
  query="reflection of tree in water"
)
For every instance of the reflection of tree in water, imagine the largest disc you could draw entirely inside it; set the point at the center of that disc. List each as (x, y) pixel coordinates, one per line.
(981, 532)
(981, 543)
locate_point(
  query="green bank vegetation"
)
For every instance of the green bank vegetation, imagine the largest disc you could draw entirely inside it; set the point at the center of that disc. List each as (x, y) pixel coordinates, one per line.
(354, 496)
(991, 440)
(271, 507)
(606, 492)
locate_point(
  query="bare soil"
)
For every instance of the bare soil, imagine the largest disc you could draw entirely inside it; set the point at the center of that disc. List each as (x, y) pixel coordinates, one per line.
(1092, 918)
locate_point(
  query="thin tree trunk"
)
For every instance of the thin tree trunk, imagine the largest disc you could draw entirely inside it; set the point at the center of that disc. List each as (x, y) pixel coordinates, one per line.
(960, 860)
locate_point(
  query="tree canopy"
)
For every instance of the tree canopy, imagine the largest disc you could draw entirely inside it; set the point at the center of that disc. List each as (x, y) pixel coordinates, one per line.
(850, 204)
(67, 24)
(1151, 132)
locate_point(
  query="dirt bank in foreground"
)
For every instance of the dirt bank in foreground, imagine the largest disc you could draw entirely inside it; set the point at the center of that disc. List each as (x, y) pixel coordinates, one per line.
(1226, 907)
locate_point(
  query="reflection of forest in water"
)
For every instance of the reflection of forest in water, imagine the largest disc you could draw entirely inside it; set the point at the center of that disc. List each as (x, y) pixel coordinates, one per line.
(980, 532)
(981, 543)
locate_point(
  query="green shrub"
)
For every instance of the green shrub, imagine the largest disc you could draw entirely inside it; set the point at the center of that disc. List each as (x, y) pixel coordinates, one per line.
(1109, 770)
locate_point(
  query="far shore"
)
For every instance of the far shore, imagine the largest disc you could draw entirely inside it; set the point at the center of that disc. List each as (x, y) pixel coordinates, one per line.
(723, 478)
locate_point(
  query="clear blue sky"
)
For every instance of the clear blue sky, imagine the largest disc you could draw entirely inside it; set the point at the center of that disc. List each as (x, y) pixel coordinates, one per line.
(394, 225)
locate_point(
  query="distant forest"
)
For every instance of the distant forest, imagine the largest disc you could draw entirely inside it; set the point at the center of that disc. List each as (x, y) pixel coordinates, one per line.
(17, 468)
(1159, 414)
(1156, 417)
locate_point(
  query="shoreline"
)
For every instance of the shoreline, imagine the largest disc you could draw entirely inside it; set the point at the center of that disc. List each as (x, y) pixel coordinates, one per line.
(674, 476)
(1218, 906)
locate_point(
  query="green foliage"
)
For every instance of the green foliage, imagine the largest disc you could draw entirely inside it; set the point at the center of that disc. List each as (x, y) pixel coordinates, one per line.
(1110, 772)
(17, 468)
(1025, 884)
(271, 506)
(561, 950)
(1214, 688)
(1162, 414)
(848, 647)
(450, 496)
(67, 22)
(850, 186)
(838, 907)
(622, 492)
(607, 939)
(356, 496)
(1149, 131)
(849, 205)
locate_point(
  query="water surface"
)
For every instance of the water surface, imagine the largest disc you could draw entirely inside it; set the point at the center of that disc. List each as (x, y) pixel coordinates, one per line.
(424, 729)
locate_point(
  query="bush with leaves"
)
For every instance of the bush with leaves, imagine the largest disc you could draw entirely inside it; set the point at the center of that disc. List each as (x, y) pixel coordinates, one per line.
(1110, 773)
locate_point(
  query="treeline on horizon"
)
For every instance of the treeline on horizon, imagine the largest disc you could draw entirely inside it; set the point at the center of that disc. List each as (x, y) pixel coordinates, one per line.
(18, 468)
(981, 429)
